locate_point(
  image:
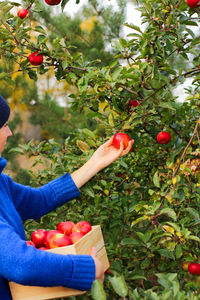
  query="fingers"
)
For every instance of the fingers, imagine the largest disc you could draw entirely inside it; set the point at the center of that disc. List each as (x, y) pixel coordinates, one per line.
(109, 142)
(128, 148)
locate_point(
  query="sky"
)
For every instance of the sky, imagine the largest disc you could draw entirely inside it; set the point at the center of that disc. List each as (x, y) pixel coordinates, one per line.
(131, 12)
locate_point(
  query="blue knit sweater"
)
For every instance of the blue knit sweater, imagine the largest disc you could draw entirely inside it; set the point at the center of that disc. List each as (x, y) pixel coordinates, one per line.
(25, 264)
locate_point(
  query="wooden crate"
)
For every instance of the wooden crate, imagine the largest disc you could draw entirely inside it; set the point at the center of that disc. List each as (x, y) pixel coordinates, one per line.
(94, 238)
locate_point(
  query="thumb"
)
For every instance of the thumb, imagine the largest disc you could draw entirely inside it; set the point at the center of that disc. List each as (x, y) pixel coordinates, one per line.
(93, 251)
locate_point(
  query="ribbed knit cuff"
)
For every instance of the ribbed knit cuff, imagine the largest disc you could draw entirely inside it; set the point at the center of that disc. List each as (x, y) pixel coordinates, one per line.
(64, 188)
(83, 273)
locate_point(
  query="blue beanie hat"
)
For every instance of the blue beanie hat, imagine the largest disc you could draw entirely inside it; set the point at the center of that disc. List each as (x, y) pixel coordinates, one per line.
(4, 111)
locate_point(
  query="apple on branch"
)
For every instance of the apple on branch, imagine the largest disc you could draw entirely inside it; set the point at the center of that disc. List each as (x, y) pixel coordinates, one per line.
(193, 3)
(22, 13)
(163, 137)
(194, 268)
(35, 59)
(133, 104)
(185, 266)
(53, 2)
(66, 227)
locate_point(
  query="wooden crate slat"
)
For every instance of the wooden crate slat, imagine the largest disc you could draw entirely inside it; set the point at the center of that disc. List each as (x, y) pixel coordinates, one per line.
(40, 293)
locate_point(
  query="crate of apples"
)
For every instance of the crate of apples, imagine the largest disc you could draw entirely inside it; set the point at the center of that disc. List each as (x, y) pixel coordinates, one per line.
(67, 238)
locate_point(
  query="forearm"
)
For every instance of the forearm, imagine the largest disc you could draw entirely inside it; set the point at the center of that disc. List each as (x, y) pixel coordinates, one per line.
(85, 173)
(42, 268)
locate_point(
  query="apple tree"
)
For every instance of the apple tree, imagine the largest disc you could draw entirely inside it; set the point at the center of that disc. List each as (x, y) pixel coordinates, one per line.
(147, 202)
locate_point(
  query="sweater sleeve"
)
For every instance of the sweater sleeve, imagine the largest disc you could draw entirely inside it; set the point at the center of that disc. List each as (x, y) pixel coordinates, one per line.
(36, 202)
(42, 268)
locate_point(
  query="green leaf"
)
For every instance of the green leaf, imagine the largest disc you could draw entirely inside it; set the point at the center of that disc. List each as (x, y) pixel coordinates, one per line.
(97, 290)
(88, 133)
(32, 74)
(179, 251)
(3, 75)
(17, 149)
(119, 285)
(195, 41)
(166, 253)
(64, 2)
(133, 27)
(193, 212)
(116, 74)
(169, 45)
(123, 42)
(89, 191)
(194, 238)
(136, 277)
(129, 241)
(83, 146)
(156, 179)
(196, 79)
(65, 64)
(166, 105)
(166, 280)
(139, 220)
(168, 211)
(39, 29)
(188, 22)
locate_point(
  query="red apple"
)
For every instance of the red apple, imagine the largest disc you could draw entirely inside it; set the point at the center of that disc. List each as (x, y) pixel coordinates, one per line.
(133, 103)
(59, 240)
(121, 137)
(194, 268)
(43, 248)
(53, 2)
(163, 137)
(35, 59)
(82, 226)
(22, 13)
(76, 236)
(66, 227)
(48, 237)
(192, 3)
(38, 236)
(30, 243)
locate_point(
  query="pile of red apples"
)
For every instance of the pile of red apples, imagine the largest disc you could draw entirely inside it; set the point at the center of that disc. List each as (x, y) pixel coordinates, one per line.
(67, 233)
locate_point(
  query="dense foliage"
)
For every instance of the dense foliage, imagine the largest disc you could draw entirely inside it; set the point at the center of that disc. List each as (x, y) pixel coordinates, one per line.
(147, 202)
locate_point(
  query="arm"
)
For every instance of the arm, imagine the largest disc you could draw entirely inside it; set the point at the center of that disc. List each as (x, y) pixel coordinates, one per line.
(34, 203)
(41, 268)
(102, 157)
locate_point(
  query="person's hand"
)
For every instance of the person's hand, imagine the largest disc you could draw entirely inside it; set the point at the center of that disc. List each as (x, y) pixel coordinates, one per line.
(100, 159)
(98, 265)
(107, 153)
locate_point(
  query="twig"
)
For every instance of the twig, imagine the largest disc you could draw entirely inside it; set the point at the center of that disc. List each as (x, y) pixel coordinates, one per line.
(185, 151)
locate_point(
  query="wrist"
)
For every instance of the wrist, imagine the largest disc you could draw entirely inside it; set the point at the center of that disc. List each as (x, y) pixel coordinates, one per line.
(93, 165)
